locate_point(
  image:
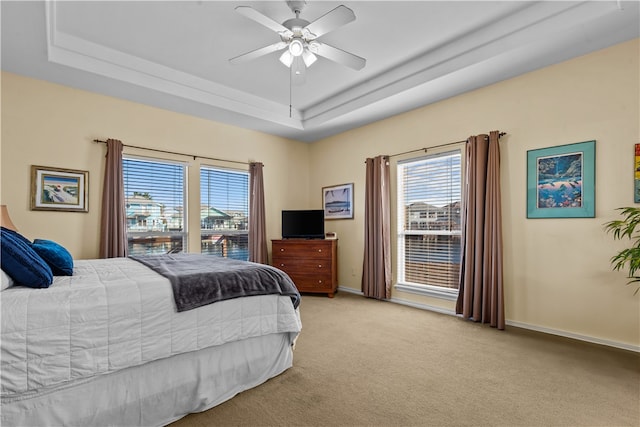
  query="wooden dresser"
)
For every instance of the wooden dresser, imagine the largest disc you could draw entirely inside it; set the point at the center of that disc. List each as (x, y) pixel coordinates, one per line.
(311, 264)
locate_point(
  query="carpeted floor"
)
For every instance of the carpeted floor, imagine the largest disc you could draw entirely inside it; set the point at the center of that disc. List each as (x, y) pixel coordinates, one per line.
(361, 362)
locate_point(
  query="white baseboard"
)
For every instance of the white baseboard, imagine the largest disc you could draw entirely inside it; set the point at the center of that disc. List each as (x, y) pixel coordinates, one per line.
(623, 346)
(586, 338)
(349, 290)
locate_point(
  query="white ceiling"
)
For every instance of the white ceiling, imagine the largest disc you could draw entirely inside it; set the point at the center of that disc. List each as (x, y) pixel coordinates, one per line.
(175, 54)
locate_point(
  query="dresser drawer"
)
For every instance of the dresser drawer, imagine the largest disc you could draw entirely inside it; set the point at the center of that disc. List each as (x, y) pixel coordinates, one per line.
(312, 265)
(310, 284)
(301, 248)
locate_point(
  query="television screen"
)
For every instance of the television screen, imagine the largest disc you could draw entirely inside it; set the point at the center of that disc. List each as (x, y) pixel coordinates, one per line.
(303, 224)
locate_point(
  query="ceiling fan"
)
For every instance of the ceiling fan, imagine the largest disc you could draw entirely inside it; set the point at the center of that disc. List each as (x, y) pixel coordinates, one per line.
(299, 39)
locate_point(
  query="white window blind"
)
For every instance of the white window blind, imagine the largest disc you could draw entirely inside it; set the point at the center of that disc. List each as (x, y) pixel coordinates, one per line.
(224, 212)
(429, 194)
(155, 205)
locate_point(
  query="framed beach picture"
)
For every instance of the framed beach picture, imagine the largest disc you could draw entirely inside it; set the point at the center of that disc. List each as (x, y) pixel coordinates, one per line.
(561, 181)
(56, 189)
(337, 201)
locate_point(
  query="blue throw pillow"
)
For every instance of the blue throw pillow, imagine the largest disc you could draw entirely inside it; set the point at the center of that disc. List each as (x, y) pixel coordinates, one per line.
(54, 254)
(21, 262)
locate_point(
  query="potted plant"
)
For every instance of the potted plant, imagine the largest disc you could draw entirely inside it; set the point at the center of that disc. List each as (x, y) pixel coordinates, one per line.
(627, 258)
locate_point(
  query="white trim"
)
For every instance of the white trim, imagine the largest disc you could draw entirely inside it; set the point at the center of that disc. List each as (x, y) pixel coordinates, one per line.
(550, 331)
(423, 306)
(586, 338)
(75, 52)
(350, 290)
(428, 291)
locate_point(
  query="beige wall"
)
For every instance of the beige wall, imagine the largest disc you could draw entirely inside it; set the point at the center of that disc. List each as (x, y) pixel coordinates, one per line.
(52, 125)
(557, 272)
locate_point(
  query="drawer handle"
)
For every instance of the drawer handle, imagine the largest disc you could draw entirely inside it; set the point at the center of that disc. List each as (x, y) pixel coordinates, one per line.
(319, 250)
(281, 265)
(281, 249)
(319, 265)
(319, 281)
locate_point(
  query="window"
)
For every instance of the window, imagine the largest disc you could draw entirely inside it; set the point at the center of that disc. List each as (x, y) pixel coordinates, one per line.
(154, 194)
(429, 194)
(224, 212)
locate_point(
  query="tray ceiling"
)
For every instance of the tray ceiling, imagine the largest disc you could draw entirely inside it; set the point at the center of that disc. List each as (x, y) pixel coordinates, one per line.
(175, 54)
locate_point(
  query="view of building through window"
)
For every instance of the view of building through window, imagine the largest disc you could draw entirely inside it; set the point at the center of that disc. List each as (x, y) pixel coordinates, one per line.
(154, 197)
(155, 208)
(224, 212)
(429, 220)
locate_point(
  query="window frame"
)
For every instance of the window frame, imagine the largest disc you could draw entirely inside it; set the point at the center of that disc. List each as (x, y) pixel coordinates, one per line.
(244, 172)
(401, 284)
(185, 209)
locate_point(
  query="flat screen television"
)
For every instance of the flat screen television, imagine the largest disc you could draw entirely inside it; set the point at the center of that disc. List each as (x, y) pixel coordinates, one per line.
(303, 224)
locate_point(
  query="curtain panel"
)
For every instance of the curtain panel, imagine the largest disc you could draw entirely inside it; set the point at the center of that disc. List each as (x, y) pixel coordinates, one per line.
(257, 230)
(376, 270)
(480, 296)
(113, 225)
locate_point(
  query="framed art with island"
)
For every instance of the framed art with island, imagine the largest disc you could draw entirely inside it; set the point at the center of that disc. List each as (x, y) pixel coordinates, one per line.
(337, 201)
(561, 181)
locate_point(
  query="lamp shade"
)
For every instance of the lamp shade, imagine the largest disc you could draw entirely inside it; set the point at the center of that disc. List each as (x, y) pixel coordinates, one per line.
(5, 219)
(296, 47)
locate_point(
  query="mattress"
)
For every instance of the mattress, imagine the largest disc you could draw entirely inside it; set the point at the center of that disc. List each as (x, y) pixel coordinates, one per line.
(113, 315)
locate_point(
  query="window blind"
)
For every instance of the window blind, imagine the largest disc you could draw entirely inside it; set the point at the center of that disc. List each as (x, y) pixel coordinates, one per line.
(224, 212)
(429, 220)
(155, 205)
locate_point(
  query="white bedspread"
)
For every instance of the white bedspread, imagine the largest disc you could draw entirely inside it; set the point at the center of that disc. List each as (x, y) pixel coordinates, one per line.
(113, 314)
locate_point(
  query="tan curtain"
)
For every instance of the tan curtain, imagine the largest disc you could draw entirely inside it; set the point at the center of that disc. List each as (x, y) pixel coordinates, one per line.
(113, 227)
(257, 229)
(376, 270)
(480, 296)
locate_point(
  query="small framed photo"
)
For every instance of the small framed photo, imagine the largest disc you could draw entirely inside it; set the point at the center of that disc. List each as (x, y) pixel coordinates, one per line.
(561, 181)
(56, 189)
(337, 201)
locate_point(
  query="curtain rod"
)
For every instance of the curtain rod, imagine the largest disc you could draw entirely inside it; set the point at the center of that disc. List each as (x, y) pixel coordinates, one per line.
(176, 153)
(436, 146)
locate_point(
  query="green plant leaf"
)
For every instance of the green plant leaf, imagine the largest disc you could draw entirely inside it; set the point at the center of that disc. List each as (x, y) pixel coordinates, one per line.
(627, 259)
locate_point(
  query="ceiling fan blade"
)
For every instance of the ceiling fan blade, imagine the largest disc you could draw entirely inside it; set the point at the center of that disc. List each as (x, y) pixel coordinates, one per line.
(258, 53)
(331, 20)
(251, 13)
(338, 55)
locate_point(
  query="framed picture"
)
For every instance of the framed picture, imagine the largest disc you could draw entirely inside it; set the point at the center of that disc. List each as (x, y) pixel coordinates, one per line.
(636, 177)
(55, 189)
(337, 201)
(561, 181)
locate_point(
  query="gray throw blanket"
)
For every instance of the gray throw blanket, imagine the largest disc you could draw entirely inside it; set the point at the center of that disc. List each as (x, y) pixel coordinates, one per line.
(199, 280)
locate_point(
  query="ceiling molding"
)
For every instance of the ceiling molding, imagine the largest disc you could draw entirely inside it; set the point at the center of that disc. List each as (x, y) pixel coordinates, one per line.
(510, 39)
(71, 51)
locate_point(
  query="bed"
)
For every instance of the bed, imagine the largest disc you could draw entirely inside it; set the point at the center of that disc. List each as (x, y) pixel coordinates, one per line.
(108, 346)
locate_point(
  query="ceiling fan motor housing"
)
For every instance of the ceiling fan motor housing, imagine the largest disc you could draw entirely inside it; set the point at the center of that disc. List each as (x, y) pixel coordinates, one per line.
(295, 25)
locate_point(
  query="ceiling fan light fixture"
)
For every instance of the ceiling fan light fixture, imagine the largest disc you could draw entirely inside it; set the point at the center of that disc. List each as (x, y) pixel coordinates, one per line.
(286, 58)
(313, 46)
(308, 57)
(298, 71)
(296, 48)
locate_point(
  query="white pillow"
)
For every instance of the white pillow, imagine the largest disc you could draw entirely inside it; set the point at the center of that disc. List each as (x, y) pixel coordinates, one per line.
(5, 281)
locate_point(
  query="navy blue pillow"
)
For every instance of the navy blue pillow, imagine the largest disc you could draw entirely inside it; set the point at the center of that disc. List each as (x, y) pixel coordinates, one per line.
(21, 262)
(54, 254)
